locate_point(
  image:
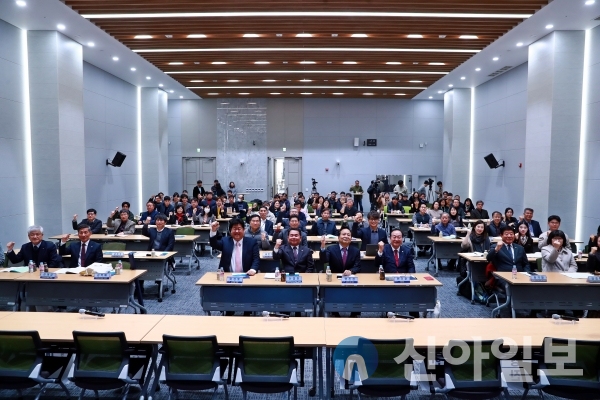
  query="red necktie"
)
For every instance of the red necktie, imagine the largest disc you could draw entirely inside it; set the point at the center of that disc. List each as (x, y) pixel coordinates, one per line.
(344, 255)
(83, 254)
(396, 258)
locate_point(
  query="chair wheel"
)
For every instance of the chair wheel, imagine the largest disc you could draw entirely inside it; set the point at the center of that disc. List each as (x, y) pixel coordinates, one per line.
(472, 302)
(332, 393)
(312, 392)
(173, 291)
(160, 300)
(189, 273)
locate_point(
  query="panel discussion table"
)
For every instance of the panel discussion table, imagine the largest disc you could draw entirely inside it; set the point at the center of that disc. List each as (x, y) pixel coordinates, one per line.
(268, 264)
(184, 244)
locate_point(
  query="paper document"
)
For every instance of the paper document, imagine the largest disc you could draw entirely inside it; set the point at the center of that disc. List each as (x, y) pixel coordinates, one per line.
(576, 275)
(270, 275)
(537, 255)
(70, 270)
(15, 269)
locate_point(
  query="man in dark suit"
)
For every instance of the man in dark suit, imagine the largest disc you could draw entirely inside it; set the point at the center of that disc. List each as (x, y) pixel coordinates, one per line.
(91, 221)
(198, 189)
(395, 205)
(239, 253)
(293, 256)
(534, 227)
(371, 235)
(347, 209)
(265, 224)
(241, 206)
(506, 253)
(83, 253)
(479, 212)
(293, 223)
(161, 238)
(37, 250)
(150, 212)
(324, 226)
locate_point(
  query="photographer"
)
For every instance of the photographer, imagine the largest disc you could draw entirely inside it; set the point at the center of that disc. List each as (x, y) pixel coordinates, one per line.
(440, 190)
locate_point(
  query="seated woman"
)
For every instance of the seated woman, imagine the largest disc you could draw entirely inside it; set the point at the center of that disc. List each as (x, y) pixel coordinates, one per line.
(381, 203)
(444, 206)
(477, 239)
(556, 257)
(179, 218)
(415, 206)
(455, 218)
(206, 216)
(435, 213)
(495, 224)
(324, 206)
(593, 239)
(468, 206)
(509, 219)
(523, 237)
(593, 261)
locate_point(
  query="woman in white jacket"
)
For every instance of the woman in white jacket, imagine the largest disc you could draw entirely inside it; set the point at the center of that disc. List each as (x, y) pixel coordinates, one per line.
(556, 257)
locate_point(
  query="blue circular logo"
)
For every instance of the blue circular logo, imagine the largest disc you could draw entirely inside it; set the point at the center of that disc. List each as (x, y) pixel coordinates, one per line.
(355, 357)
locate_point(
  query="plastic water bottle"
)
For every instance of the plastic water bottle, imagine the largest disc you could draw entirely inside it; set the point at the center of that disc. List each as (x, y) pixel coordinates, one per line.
(153, 253)
(42, 268)
(328, 276)
(118, 267)
(277, 275)
(437, 309)
(514, 272)
(31, 266)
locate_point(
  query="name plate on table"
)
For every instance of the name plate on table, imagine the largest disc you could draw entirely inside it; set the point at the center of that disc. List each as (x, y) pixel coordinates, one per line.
(351, 280)
(102, 275)
(48, 275)
(593, 279)
(235, 279)
(268, 254)
(293, 279)
(119, 254)
(538, 278)
(402, 279)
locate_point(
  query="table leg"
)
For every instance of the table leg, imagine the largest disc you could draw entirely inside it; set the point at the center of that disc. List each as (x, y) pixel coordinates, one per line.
(433, 259)
(320, 367)
(467, 278)
(170, 276)
(133, 303)
(154, 369)
(328, 374)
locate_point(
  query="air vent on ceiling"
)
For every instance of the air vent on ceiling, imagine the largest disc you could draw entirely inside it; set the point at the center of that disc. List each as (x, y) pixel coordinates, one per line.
(500, 71)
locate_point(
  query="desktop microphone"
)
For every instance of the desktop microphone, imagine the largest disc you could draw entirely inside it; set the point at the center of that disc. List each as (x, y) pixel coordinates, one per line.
(87, 312)
(274, 314)
(565, 318)
(394, 315)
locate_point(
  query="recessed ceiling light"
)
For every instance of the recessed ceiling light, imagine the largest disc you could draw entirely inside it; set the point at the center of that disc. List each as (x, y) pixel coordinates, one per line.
(115, 58)
(337, 94)
(549, 26)
(176, 63)
(520, 44)
(197, 80)
(243, 94)
(148, 78)
(224, 103)
(181, 97)
(169, 36)
(251, 103)
(196, 36)
(343, 80)
(415, 63)
(349, 62)
(415, 81)
(367, 94)
(462, 78)
(285, 62)
(160, 85)
(414, 36)
(60, 27)
(431, 97)
(279, 34)
(218, 62)
(590, 2)
(496, 58)
(450, 85)
(468, 37)
(305, 80)
(378, 80)
(269, 80)
(91, 44)
(133, 68)
(171, 91)
(400, 94)
(275, 93)
(393, 63)
(196, 62)
(232, 80)
(210, 94)
(21, 3)
(261, 62)
(437, 63)
(250, 35)
(304, 35)
(142, 37)
(334, 35)
(440, 91)
(328, 62)
(306, 93)
(442, 36)
(303, 62)
(477, 69)
(359, 35)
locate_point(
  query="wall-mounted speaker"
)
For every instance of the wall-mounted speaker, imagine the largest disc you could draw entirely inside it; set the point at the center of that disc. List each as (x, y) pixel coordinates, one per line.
(492, 162)
(117, 160)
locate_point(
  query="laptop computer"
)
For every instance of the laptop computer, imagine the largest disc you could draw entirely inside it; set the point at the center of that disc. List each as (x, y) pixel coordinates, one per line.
(371, 250)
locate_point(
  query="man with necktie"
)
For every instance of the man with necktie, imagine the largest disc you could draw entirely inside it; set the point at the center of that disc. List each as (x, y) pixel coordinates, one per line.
(507, 253)
(83, 253)
(37, 250)
(372, 234)
(294, 257)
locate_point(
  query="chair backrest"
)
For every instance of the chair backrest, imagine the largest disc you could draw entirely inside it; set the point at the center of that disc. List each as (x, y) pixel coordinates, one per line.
(71, 241)
(188, 230)
(573, 247)
(132, 263)
(464, 375)
(406, 209)
(19, 353)
(310, 209)
(190, 358)
(266, 359)
(388, 371)
(115, 246)
(556, 351)
(538, 262)
(100, 354)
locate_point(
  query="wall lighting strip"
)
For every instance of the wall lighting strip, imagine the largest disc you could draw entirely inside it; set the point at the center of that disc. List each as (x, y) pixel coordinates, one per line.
(471, 142)
(139, 147)
(581, 184)
(306, 87)
(306, 72)
(307, 49)
(350, 14)
(27, 126)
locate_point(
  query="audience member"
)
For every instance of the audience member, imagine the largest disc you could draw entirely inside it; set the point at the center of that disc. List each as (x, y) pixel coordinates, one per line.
(358, 191)
(83, 253)
(553, 225)
(253, 231)
(495, 224)
(479, 212)
(37, 250)
(91, 221)
(294, 256)
(324, 226)
(557, 255)
(523, 238)
(534, 226)
(509, 219)
(123, 226)
(372, 234)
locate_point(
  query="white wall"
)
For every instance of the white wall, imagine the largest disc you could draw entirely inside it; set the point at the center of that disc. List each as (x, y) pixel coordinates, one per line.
(110, 110)
(500, 127)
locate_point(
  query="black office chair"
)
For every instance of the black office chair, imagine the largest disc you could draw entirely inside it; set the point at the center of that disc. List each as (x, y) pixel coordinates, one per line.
(138, 285)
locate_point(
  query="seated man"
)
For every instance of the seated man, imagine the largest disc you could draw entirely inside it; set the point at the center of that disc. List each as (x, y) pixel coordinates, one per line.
(507, 253)
(166, 207)
(253, 231)
(124, 206)
(83, 253)
(91, 221)
(239, 253)
(123, 226)
(219, 210)
(36, 250)
(185, 203)
(479, 212)
(294, 223)
(294, 257)
(371, 235)
(395, 205)
(324, 226)
(553, 225)
(241, 207)
(445, 227)
(534, 226)
(265, 224)
(422, 217)
(161, 238)
(359, 222)
(149, 213)
(495, 224)
(348, 209)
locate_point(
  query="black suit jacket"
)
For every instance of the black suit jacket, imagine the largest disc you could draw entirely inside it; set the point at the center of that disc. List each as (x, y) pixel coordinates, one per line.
(95, 226)
(406, 255)
(250, 252)
(93, 253)
(333, 255)
(283, 235)
(213, 210)
(269, 227)
(47, 253)
(503, 260)
(476, 214)
(318, 228)
(365, 235)
(167, 239)
(304, 262)
(537, 230)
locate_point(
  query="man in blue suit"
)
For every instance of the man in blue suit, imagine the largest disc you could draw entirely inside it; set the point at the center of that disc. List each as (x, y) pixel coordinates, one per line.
(324, 226)
(83, 253)
(150, 212)
(371, 235)
(506, 253)
(161, 238)
(534, 227)
(293, 256)
(239, 253)
(37, 250)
